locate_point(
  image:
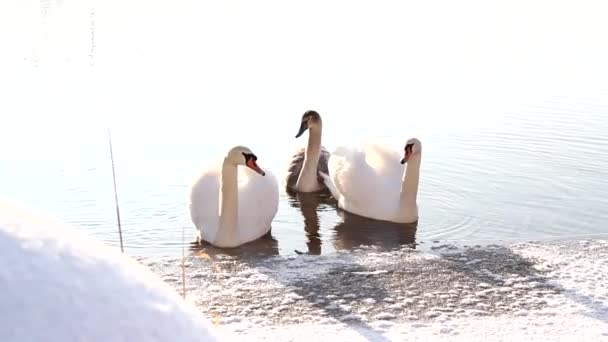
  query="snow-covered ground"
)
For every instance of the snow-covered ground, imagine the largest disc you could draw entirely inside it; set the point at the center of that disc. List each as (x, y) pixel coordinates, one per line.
(58, 284)
(532, 291)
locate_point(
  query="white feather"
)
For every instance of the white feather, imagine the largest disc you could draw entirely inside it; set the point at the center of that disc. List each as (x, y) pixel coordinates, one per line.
(367, 180)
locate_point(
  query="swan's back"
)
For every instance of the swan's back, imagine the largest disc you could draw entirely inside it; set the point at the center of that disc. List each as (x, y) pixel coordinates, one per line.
(258, 203)
(368, 177)
(60, 285)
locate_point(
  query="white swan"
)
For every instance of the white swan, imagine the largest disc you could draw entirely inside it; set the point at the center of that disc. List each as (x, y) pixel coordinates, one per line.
(234, 203)
(59, 284)
(370, 181)
(306, 163)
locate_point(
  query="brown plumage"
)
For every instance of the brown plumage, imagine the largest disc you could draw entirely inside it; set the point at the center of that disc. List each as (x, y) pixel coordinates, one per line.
(295, 166)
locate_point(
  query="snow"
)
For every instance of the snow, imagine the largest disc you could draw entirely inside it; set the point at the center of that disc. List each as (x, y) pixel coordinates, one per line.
(529, 291)
(60, 285)
(463, 329)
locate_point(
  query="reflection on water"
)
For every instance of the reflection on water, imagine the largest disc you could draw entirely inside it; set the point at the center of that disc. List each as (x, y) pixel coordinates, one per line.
(92, 29)
(353, 231)
(310, 204)
(266, 246)
(356, 231)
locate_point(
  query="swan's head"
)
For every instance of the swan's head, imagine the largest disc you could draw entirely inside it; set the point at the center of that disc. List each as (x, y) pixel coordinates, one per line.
(310, 119)
(241, 155)
(412, 147)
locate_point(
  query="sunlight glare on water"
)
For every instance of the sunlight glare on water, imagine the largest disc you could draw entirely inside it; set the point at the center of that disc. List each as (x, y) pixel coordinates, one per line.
(510, 105)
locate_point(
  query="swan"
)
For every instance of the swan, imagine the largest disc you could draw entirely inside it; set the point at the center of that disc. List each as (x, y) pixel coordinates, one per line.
(302, 171)
(231, 206)
(60, 284)
(369, 181)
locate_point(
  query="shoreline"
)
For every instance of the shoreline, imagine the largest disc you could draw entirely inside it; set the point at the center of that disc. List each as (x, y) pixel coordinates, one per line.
(563, 284)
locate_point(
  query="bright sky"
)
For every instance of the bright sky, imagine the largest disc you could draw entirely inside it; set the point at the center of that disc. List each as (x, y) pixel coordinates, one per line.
(266, 61)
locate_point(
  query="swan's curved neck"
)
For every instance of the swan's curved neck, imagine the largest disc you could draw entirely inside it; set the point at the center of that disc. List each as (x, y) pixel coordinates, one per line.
(308, 180)
(408, 210)
(229, 198)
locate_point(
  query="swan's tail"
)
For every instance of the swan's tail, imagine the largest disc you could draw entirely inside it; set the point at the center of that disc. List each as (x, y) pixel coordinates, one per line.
(330, 185)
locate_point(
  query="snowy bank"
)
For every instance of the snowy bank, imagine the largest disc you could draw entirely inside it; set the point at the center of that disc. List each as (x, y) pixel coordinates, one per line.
(521, 292)
(61, 285)
(57, 284)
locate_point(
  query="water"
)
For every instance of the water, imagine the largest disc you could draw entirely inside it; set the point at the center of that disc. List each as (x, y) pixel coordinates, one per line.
(514, 133)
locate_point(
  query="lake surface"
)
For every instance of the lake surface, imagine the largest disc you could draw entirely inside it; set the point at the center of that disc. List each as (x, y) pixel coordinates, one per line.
(512, 149)
(537, 174)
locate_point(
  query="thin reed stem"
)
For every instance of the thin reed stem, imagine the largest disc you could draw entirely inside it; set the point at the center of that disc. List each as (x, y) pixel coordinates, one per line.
(183, 264)
(122, 249)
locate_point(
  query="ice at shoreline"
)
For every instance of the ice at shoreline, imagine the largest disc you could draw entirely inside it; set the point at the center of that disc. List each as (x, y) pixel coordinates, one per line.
(526, 291)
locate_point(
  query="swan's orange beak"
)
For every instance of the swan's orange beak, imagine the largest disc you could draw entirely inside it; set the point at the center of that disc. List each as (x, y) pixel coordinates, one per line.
(251, 163)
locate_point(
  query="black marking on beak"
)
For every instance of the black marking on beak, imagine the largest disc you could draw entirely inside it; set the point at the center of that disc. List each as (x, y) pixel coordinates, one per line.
(250, 161)
(408, 152)
(409, 147)
(249, 156)
(303, 128)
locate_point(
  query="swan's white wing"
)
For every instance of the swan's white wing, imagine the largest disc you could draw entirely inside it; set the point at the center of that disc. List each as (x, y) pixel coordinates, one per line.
(347, 169)
(258, 203)
(204, 203)
(386, 163)
(368, 178)
(384, 160)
